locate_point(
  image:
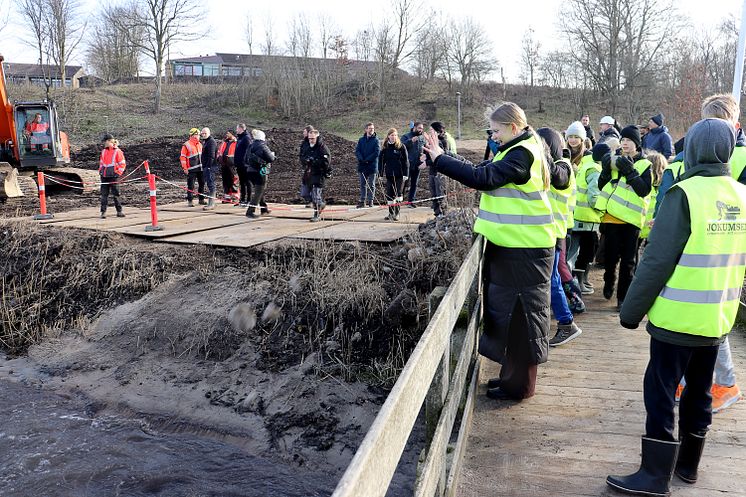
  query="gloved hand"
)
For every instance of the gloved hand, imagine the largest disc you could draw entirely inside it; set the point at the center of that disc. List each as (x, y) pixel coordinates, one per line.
(629, 326)
(606, 163)
(625, 165)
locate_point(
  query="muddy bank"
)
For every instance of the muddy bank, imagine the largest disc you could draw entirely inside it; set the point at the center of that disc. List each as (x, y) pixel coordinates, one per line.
(284, 353)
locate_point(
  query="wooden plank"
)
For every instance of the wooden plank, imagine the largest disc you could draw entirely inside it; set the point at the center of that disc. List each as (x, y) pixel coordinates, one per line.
(86, 213)
(188, 225)
(370, 472)
(364, 232)
(436, 456)
(247, 234)
(132, 218)
(417, 215)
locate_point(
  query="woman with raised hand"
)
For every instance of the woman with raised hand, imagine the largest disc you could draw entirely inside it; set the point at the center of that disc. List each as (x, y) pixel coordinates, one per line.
(515, 218)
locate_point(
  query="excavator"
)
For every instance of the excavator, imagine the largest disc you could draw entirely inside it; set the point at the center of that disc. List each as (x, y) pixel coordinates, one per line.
(31, 141)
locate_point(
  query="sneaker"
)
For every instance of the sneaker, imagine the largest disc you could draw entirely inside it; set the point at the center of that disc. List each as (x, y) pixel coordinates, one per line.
(565, 333)
(585, 289)
(723, 396)
(679, 391)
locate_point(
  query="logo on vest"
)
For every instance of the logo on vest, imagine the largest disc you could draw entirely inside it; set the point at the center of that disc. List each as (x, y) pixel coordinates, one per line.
(728, 220)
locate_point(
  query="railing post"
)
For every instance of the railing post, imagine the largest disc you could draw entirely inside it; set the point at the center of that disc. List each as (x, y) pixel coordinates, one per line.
(153, 207)
(438, 392)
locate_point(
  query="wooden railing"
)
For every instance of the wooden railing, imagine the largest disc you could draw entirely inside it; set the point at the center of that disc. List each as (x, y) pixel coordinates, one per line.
(427, 378)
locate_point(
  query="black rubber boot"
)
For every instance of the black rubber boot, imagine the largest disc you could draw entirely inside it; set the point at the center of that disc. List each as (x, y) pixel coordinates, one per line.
(655, 473)
(689, 455)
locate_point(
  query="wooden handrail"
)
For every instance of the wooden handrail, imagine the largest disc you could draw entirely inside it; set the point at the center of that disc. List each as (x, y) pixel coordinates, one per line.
(372, 468)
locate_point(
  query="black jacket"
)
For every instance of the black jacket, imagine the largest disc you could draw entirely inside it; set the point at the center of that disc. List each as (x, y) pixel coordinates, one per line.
(318, 159)
(642, 184)
(393, 161)
(259, 155)
(414, 147)
(209, 152)
(512, 275)
(589, 134)
(242, 147)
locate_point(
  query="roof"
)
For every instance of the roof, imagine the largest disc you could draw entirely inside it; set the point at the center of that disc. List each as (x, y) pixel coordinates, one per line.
(257, 60)
(35, 70)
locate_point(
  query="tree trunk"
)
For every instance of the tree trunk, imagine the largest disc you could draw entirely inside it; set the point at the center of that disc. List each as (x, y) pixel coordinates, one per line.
(158, 84)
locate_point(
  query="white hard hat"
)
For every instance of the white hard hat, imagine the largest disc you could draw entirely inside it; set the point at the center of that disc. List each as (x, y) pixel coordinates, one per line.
(607, 120)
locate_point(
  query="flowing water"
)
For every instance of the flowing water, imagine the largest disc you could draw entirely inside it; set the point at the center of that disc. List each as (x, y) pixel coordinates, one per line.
(55, 445)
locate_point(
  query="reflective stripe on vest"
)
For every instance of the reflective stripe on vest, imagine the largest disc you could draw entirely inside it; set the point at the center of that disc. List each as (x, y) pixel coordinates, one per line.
(738, 162)
(111, 168)
(583, 210)
(562, 202)
(701, 296)
(620, 199)
(518, 216)
(194, 157)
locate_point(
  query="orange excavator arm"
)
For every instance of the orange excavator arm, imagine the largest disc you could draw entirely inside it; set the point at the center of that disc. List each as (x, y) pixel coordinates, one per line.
(7, 125)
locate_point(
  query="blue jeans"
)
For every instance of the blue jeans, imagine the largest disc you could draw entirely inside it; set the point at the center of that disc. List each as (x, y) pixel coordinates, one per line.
(559, 302)
(367, 187)
(209, 179)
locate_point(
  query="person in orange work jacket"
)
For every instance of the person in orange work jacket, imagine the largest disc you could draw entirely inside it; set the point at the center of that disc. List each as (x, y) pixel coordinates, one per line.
(191, 163)
(38, 133)
(111, 167)
(226, 155)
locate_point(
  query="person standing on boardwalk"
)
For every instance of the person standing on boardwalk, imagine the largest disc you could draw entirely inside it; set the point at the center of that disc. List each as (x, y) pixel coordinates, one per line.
(242, 148)
(111, 168)
(191, 163)
(318, 161)
(305, 181)
(394, 165)
(515, 218)
(209, 163)
(688, 284)
(259, 159)
(414, 142)
(366, 152)
(226, 159)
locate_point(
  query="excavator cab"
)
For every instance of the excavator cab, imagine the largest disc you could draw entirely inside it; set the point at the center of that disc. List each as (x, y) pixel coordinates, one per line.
(36, 131)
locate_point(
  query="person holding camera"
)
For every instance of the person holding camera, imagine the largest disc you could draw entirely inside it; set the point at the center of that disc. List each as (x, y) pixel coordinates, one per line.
(625, 183)
(317, 158)
(414, 142)
(259, 159)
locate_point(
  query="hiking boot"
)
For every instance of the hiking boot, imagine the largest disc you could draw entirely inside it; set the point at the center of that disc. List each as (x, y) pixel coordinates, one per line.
(608, 290)
(120, 214)
(315, 218)
(565, 333)
(369, 204)
(190, 203)
(679, 391)
(723, 397)
(584, 289)
(202, 200)
(360, 205)
(103, 215)
(210, 204)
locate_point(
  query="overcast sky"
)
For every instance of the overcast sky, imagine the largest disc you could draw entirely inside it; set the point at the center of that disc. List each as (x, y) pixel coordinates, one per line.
(504, 22)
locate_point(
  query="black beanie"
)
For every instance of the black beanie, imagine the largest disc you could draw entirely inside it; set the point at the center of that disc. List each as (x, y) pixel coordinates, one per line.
(599, 150)
(438, 127)
(658, 119)
(107, 137)
(632, 133)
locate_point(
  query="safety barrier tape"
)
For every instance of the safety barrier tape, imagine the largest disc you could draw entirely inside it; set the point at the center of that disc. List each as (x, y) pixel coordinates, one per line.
(88, 183)
(67, 184)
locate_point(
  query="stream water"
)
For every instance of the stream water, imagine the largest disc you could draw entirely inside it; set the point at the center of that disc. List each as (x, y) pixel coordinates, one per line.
(54, 445)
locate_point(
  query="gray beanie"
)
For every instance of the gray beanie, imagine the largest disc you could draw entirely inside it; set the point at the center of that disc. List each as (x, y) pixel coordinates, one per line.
(709, 141)
(576, 129)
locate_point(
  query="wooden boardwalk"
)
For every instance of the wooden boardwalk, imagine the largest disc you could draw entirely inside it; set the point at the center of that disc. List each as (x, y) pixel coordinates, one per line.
(227, 226)
(586, 420)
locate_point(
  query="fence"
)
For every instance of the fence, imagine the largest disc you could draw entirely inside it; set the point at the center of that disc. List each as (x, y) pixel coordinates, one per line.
(427, 378)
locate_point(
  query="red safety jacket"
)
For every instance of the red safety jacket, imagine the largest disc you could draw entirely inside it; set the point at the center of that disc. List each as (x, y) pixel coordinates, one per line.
(226, 152)
(112, 163)
(191, 155)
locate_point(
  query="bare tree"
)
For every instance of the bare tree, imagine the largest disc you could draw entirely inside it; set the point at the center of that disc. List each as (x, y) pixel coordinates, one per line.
(36, 18)
(327, 29)
(66, 30)
(430, 57)
(4, 14)
(269, 47)
(109, 52)
(250, 33)
(469, 50)
(530, 47)
(362, 44)
(299, 36)
(624, 39)
(163, 23)
(406, 25)
(383, 53)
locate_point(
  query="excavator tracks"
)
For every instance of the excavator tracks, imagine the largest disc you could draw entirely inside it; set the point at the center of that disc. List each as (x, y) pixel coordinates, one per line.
(13, 184)
(81, 180)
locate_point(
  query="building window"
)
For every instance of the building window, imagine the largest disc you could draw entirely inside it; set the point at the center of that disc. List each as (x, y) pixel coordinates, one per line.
(211, 70)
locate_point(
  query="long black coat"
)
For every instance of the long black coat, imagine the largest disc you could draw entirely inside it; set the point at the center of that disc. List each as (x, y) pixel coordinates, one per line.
(318, 159)
(393, 161)
(242, 147)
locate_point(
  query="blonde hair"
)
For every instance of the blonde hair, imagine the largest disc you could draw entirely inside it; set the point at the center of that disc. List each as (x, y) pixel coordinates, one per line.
(397, 144)
(722, 106)
(258, 134)
(658, 164)
(511, 113)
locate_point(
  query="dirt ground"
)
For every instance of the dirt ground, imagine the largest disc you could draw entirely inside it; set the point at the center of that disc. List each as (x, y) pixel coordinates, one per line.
(286, 351)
